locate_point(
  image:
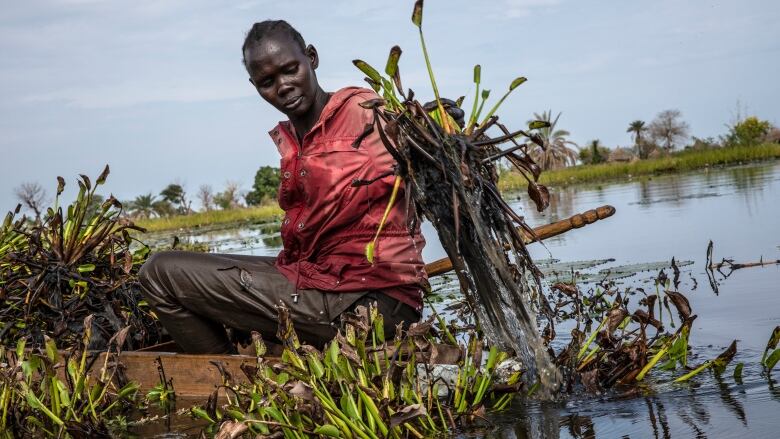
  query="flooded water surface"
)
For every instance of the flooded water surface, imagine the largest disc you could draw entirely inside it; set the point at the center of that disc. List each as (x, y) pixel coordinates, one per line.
(676, 216)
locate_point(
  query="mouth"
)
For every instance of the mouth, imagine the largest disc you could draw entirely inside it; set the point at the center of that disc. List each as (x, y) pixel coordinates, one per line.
(293, 103)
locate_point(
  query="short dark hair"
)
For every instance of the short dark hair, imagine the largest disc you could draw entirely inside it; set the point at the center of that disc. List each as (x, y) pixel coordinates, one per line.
(264, 28)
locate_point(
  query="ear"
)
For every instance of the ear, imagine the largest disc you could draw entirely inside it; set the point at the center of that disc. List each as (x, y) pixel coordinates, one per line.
(314, 58)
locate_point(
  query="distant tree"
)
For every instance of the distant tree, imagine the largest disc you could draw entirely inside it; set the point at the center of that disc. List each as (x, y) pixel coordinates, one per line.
(748, 132)
(230, 198)
(556, 152)
(175, 195)
(594, 153)
(668, 129)
(206, 197)
(142, 206)
(33, 196)
(265, 187)
(638, 127)
(164, 208)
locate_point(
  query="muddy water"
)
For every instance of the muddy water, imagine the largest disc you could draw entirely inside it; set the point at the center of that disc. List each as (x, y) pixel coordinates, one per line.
(739, 209)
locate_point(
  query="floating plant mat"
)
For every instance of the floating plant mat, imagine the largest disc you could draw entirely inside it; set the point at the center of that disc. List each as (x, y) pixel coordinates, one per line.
(444, 288)
(562, 272)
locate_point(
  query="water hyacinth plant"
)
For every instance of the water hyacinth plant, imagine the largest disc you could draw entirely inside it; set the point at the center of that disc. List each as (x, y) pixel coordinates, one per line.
(449, 171)
(360, 386)
(76, 262)
(48, 392)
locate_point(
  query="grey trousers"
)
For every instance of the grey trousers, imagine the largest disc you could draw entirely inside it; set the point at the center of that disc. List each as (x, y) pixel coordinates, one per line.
(196, 295)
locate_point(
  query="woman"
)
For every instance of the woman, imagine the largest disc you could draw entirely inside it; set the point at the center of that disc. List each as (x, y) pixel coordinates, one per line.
(322, 271)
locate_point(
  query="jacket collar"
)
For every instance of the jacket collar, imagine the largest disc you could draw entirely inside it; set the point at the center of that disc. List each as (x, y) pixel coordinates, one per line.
(335, 103)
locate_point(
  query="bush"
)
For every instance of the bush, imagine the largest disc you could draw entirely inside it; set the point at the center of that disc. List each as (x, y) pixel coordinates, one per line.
(594, 153)
(748, 132)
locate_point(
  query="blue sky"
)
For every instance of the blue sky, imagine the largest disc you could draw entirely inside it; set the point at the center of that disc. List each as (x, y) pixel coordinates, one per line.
(156, 88)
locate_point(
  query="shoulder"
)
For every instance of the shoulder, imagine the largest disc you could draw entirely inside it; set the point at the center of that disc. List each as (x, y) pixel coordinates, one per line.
(346, 117)
(348, 99)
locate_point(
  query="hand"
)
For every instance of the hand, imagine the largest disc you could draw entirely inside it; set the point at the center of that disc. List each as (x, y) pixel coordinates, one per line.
(450, 107)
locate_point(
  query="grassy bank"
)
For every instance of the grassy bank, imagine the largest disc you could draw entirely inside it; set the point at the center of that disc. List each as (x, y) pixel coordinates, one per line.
(256, 214)
(678, 162)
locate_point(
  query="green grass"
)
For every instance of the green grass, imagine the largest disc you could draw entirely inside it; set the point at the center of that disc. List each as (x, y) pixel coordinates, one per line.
(677, 162)
(257, 214)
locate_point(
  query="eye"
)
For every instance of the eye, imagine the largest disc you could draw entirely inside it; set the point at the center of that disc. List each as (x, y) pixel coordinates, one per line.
(291, 69)
(265, 83)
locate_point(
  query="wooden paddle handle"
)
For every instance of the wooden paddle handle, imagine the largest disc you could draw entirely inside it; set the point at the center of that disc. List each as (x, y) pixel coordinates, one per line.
(444, 265)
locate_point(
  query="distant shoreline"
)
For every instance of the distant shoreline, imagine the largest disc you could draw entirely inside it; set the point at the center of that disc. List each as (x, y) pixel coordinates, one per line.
(509, 181)
(622, 171)
(250, 215)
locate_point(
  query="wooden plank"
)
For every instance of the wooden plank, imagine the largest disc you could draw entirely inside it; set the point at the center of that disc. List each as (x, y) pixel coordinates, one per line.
(198, 376)
(444, 265)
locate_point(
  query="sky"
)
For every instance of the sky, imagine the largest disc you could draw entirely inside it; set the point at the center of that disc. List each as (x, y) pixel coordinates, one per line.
(156, 88)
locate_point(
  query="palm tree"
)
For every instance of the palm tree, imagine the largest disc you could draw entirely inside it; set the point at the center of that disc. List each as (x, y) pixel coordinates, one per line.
(637, 127)
(142, 206)
(556, 153)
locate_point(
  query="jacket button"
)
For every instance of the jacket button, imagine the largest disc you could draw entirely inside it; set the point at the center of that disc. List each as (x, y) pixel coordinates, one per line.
(286, 221)
(287, 174)
(303, 173)
(300, 225)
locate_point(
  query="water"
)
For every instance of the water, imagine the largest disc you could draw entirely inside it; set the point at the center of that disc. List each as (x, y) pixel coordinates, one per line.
(738, 208)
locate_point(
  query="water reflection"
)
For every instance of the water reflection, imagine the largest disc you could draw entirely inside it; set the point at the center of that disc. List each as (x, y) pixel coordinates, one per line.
(686, 413)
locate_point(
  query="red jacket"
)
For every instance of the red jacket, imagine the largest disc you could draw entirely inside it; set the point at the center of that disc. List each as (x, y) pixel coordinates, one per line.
(328, 223)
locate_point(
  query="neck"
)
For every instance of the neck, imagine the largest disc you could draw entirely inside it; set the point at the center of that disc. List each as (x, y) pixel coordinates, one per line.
(305, 123)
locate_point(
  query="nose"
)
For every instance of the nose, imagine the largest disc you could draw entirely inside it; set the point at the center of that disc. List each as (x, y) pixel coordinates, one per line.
(284, 88)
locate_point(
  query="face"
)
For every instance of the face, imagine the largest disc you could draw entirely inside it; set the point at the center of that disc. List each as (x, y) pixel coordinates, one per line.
(283, 74)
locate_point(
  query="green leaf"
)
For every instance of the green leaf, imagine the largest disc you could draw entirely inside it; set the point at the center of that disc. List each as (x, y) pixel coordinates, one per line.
(417, 13)
(20, 348)
(328, 430)
(774, 339)
(51, 348)
(370, 252)
(517, 82)
(537, 124)
(477, 73)
(368, 70)
(392, 61)
(738, 372)
(86, 268)
(772, 360)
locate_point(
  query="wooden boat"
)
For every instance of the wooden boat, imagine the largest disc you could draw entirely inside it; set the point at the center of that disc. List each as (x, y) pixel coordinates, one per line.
(197, 375)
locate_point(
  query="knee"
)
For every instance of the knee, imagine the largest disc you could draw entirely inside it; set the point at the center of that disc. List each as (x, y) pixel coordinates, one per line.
(151, 271)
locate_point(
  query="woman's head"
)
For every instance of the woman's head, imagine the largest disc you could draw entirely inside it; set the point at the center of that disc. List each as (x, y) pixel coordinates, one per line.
(281, 67)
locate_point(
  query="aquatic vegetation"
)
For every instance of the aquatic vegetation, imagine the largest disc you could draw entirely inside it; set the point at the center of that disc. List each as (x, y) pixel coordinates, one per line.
(75, 262)
(48, 392)
(449, 171)
(769, 360)
(361, 385)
